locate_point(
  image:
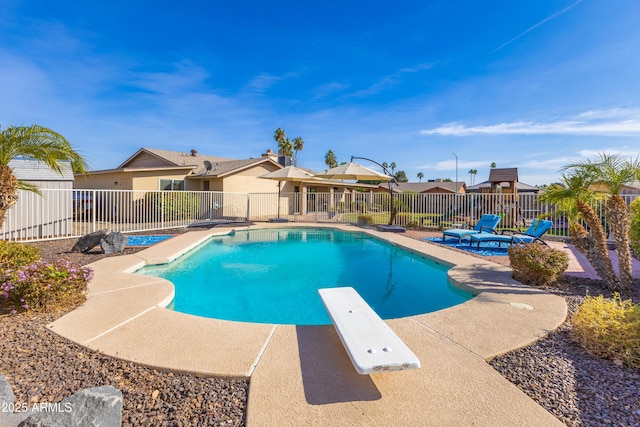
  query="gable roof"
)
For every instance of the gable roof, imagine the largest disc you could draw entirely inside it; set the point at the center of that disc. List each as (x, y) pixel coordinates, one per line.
(174, 158)
(421, 187)
(503, 175)
(521, 186)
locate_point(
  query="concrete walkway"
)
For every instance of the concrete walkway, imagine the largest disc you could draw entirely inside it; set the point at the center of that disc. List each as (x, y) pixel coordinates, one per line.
(301, 375)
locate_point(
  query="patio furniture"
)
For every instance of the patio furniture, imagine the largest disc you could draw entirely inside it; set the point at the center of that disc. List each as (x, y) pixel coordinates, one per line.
(486, 223)
(530, 235)
(371, 344)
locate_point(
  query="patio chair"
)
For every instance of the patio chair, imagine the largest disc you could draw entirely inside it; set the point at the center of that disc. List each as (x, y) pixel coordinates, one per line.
(486, 223)
(530, 235)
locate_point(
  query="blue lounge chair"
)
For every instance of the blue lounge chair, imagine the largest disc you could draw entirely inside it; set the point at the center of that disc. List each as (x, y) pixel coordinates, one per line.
(486, 223)
(530, 235)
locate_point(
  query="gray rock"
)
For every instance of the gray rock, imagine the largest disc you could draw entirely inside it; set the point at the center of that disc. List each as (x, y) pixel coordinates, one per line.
(88, 241)
(114, 243)
(6, 394)
(99, 406)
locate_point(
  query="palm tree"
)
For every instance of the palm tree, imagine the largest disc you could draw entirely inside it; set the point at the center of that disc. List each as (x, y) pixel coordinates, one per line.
(574, 199)
(420, 176)
(393, 167)
(279, 136)
(37, 143)
(285, 148)
(611, 173)
(298, 145)
(330, 159)
(472, 173)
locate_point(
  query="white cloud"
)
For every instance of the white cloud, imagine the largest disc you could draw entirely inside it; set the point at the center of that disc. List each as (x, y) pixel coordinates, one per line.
(615, 121)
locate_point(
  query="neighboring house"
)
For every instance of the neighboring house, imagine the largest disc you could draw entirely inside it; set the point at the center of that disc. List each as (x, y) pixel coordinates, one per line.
(55, 217)
(486, 187)
(503, 181)
(425, 187)
(151, 169)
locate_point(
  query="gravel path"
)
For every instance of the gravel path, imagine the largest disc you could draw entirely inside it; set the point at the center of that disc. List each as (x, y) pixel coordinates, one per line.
(43, 367)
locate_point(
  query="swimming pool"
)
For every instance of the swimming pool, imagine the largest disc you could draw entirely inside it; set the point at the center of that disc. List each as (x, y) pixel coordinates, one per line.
(143, 240)
(272, 276)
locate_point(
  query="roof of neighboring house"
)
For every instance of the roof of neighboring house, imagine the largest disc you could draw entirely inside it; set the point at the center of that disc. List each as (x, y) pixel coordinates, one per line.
(503, 175)
(422, 187)
(222, 168)
(521, 186)
(175, 158)
(35, 170)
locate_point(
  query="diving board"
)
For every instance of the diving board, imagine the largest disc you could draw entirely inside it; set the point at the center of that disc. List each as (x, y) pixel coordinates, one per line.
(371, 344)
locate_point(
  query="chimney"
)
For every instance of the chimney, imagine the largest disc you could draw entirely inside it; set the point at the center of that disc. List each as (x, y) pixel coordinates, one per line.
(268, 154)
(194, 153)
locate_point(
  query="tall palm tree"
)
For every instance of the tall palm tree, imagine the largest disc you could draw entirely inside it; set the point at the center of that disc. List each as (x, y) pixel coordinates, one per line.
(420, 176)
(574, 199)
(37, 143)
(610, 173)
(474, 172)
(285, 148)
(393, 167)
(330, 159)
(298, 145)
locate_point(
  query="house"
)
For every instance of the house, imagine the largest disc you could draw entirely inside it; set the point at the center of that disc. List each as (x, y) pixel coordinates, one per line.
(22, 221)
(151, 169)
(503, 181)
(425, 187)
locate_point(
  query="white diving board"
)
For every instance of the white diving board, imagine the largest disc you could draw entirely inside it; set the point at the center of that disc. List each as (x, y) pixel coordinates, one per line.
(371, 344)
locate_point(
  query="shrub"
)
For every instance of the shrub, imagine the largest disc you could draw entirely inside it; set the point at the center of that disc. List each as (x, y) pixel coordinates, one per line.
(537, 264)
(365, 219)
(609, 329)
(43, 286)
(634, 226)
(14, 255)
(172, 205)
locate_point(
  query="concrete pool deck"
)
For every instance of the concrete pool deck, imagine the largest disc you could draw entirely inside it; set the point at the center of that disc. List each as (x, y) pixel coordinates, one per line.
(302, 374)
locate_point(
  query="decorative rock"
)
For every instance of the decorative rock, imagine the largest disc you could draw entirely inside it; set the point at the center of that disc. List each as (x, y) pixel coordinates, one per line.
(88, 241)
(114, 243)
(6, 394)
(99, 406)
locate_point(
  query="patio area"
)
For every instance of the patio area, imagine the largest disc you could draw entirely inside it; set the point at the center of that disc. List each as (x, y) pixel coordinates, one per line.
(302, 375)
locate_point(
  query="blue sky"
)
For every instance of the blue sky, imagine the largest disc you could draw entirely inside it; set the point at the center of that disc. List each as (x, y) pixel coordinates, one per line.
(528, 84)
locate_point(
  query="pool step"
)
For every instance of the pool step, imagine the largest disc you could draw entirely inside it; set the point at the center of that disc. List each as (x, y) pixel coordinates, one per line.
(371, 344)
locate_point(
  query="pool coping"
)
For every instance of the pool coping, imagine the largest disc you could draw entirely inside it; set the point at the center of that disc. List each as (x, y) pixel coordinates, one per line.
(124, 317)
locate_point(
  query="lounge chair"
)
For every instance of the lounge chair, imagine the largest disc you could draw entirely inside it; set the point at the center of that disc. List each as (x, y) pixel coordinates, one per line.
(486, 223)
(530, 235)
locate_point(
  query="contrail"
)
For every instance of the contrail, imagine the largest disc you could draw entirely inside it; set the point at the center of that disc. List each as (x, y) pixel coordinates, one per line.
(533, 27)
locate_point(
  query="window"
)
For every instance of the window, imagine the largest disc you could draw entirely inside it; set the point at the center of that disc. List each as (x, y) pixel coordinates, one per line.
(172, 184)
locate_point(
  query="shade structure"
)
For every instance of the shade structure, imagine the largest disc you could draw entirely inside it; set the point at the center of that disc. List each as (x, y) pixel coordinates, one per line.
(287, 173)
(353, 171)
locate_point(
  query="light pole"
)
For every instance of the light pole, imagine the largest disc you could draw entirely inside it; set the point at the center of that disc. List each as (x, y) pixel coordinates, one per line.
(456, 186)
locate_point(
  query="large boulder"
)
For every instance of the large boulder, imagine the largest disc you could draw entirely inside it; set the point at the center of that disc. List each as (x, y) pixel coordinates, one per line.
(89, 241)
(114, 243)
(6, 394)
(98, 406)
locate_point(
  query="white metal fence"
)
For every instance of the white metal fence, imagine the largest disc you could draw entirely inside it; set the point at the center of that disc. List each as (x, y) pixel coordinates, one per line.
(72, 213)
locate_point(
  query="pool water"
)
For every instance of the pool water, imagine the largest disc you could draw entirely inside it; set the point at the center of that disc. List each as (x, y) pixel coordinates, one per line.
(145, 240)
(272, 276)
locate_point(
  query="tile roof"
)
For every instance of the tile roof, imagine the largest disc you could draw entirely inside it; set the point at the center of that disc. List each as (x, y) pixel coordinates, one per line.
(503, 175)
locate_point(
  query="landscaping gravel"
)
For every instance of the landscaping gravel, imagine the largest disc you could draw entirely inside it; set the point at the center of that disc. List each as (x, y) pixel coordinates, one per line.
(42, 367)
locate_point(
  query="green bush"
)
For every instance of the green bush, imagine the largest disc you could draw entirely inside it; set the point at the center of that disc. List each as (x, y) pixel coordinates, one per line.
(609, 329)
(634, 226)
(172, 205)
(43, 286)
(536, 264)
(14, 255)
(365, 219)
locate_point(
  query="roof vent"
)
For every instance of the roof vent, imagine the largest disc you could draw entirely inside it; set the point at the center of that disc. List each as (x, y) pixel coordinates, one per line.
(194, 153)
